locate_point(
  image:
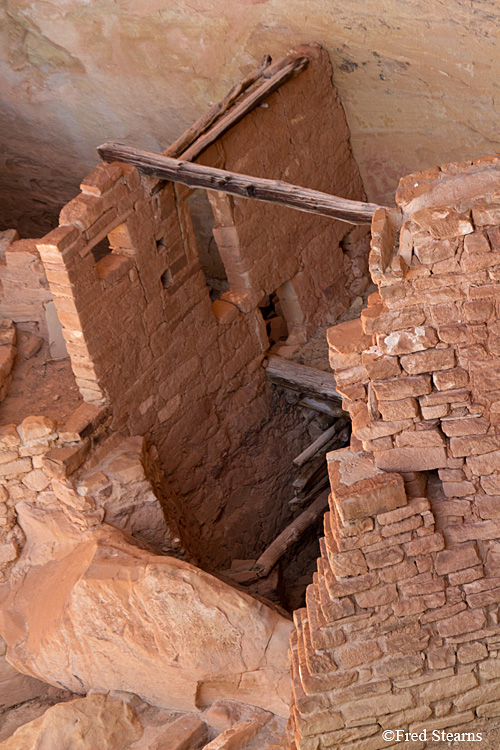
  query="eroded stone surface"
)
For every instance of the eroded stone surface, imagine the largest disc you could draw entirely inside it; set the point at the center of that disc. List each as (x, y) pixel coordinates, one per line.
(169, 632)
(97, 721)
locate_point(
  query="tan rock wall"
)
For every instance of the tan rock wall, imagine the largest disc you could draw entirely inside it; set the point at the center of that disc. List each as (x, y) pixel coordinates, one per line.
(417, 81)
(123, 618)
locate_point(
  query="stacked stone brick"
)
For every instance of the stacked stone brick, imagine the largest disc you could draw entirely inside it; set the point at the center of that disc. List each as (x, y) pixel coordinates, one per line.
(401, 628)
(33, 454)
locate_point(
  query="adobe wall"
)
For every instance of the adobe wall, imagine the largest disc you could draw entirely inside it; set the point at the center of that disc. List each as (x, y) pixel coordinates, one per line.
(301, 137)
(402, 624)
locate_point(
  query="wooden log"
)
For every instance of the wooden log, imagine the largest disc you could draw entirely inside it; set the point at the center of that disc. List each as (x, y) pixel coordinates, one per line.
(322, 407)
(292, 68)
(307, 380)
(326, 437)
(299, 502)
(187, 138)
(310, 475)
(244, 186)
(291, 534)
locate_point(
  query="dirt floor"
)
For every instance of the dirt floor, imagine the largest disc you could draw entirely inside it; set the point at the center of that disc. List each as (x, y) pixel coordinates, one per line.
(40, 386)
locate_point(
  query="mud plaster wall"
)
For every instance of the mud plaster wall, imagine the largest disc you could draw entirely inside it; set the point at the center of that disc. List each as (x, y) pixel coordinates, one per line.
(301, 136)
(417, 80)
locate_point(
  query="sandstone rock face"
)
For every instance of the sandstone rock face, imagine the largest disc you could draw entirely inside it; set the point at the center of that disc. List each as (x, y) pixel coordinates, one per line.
(388, 68)
(91, 723)
(122, 618)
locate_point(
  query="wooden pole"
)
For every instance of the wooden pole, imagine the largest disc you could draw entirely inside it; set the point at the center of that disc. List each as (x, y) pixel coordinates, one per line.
(320, 442)
(266, 88)
(244, 186)
(188, 138)
(289, 536)
(301, 378)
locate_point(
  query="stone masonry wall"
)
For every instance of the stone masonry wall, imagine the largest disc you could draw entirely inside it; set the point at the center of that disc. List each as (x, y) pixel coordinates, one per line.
(401, 628)
(63, 465)
(144, 337)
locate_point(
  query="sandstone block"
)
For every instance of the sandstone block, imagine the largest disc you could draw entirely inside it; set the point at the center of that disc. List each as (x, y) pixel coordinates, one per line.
(82, 423)
(321, 722)
(370, 496)
(457, 395)
(428, 361)
(488, 710)
(478, 696)
(351, 563)
(429, 250)
(62, 462)
(399, 572)
(470, 653)
(434, 412)
(477, 261)
(488, 506)
(398, 410)
(384, 557)
(491, 484)
(394, 516)
(421, 585)
(447, 380)
(182, 734)
(379, 705)
(469, 531)
(478, 311)
(419, 438)
(426, 544)
(377, 319)
(464, 622)
(357, 654)
(452, 722)
(451, 560)
(408, 341)
(443, 223)
(465, 426)
(490, 669)
(15, 468)
(485, 464)
(36, 428)
(441, 658)
(447, 688)
(458, 489)
(466, 576)
(395, 389)
(36, 480)
(474, 445)
(378, 365)
(101, 179)
(348, 337)
(409, 524)
(9, 437)
(411, 459)
(477, 242)
(492, 596)
(366, 428)
(377, 596)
